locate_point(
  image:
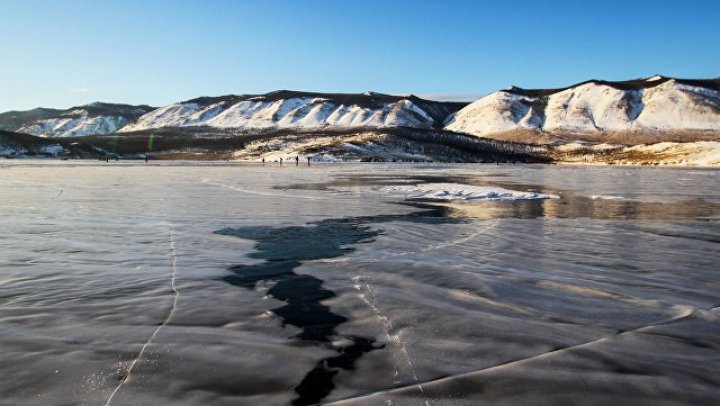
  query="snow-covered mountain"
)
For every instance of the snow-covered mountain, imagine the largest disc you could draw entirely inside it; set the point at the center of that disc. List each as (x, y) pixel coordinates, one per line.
(94, 118)
(630, 112)
(301, 110)
(658, 104)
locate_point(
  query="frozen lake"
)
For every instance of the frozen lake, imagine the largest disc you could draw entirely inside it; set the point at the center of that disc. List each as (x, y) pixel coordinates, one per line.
(195, 283)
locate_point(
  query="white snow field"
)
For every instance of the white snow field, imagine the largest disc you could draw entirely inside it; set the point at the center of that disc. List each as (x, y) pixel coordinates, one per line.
(189, 283)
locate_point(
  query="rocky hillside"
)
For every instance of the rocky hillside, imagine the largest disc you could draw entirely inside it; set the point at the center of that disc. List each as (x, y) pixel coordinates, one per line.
(18, 144)
(590, 122)
(649, 110)
(636, 111)
(301, 110)
(94, 118)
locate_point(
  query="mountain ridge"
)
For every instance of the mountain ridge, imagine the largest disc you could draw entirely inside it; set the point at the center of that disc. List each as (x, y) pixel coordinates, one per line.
(660, 105)
(296, 109)
(713, 83)
(657, 108)
(91, 118)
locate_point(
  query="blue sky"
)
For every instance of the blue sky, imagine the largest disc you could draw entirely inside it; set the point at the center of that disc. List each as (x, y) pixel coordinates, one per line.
(63, 53)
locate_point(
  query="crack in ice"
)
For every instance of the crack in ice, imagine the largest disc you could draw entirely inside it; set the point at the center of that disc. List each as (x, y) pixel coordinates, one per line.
(370, 299)
(176, 294)
(255, 192)
(688, 311)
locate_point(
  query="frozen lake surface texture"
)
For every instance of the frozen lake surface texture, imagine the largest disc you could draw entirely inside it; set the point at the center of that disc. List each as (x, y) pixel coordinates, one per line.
(235, 284)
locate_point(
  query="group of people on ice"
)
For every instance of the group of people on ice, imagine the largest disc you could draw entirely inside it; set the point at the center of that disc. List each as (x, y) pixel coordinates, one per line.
(297, 160)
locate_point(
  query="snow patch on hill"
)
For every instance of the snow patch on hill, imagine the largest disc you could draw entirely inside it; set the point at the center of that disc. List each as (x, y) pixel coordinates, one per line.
(52, 149)
(19, 150)
(6, 150)
(701, 153)
(689, 153)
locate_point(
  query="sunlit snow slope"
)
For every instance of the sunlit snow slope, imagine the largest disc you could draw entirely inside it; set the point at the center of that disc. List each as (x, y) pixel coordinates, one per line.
(94, 118)
(654, 104)
(287, 109)
(630, 112)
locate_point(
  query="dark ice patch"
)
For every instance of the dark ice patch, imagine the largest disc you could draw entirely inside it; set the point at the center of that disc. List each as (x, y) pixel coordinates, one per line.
(283, 250)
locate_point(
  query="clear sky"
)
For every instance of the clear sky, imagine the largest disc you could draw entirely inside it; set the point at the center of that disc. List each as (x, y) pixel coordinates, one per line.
(58, 53)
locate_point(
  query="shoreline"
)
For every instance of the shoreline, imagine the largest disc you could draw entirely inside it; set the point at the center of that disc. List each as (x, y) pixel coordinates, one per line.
(255, 162)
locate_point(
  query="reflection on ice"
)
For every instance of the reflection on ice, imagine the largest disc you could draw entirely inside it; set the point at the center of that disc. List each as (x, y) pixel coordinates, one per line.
(572, 207)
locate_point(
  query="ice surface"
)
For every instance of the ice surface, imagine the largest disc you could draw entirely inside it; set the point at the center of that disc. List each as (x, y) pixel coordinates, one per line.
(231, 284)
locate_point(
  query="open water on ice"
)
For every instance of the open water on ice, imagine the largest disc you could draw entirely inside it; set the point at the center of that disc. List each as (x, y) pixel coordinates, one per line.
(209, 283)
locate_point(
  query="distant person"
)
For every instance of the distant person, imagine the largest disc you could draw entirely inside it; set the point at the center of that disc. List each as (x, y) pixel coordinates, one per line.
(280, 161)
(263, 161)
(308, 158)
(297, 160)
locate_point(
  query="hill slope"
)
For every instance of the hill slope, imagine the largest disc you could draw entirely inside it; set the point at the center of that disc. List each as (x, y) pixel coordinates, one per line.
(301, 110)
(95, 118)
(657, 107)
(18, 144)
(640, 111)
